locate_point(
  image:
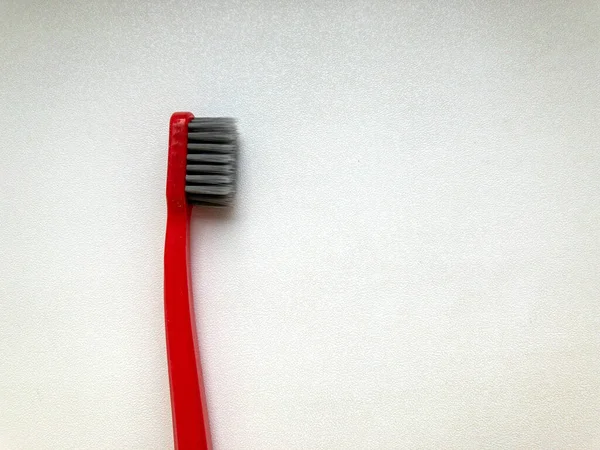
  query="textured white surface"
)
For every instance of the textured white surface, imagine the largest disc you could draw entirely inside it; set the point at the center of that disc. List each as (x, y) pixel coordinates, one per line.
(415, 257)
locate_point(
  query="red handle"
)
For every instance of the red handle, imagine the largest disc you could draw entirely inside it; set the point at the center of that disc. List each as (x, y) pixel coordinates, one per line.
(188, 403)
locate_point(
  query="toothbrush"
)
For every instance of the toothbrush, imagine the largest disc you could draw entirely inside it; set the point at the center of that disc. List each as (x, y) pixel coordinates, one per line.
(201, 171)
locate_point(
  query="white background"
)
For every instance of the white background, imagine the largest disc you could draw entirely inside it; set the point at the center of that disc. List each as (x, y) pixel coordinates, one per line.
(414, 259)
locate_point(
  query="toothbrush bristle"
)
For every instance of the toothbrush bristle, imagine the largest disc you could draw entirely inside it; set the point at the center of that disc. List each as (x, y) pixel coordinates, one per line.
(211, 161)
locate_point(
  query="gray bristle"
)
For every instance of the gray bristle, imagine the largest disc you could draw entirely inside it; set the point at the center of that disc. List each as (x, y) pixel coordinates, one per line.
(211, 161)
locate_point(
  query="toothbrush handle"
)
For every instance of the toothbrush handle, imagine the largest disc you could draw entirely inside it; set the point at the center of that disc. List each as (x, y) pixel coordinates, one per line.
(188, 403)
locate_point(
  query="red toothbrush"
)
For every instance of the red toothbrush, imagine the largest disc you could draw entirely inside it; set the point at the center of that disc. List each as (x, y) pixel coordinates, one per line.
(201, 170)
